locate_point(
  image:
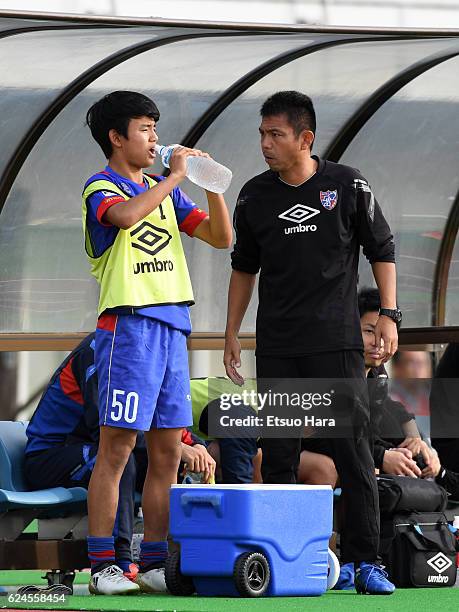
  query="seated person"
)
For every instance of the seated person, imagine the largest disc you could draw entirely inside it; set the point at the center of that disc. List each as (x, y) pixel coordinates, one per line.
(445, 408)
(411, 372)
(234, 456)
(63, 437)
(398, 446)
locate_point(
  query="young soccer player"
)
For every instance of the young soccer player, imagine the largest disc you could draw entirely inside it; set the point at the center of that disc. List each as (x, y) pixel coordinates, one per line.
(131, 222)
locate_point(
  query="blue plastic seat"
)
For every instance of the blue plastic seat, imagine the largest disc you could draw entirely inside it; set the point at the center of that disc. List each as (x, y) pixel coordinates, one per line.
(13, 490)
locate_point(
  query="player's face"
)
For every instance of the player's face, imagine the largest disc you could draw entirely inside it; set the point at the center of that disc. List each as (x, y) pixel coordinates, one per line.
(281, 147)
(373, 357)
(138, 147)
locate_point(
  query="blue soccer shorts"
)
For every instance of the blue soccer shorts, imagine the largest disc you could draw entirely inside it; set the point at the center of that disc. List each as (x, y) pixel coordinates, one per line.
(143, 375)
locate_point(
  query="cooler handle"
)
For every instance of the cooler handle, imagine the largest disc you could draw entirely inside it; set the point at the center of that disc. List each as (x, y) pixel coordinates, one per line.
(213, 499)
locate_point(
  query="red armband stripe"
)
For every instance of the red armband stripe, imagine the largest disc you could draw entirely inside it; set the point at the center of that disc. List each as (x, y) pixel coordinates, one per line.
(191, 222)
(105, 205)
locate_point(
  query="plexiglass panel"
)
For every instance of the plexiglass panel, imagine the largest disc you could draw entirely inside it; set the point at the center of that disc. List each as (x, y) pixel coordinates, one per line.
(452, 294)
(409, 153)
(45, 281)
(45, 275)
(36, 66)
(338, 80)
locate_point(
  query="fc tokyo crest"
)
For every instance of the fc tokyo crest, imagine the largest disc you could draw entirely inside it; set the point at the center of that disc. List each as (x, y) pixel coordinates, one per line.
(329, 199)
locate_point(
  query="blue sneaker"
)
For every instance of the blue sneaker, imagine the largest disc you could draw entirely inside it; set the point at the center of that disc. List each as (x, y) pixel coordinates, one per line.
(346, 578)
(371, 579)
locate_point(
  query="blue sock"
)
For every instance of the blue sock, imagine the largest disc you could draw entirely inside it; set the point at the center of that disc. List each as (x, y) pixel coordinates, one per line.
(152, 554)
(101, 551)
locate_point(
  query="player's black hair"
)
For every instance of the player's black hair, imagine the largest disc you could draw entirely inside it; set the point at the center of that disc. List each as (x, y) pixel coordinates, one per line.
(114, 111)
(368, 300)
(298, 108)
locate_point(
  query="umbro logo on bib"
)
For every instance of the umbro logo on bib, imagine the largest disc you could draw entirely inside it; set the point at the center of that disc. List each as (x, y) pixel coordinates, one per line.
(150, 238)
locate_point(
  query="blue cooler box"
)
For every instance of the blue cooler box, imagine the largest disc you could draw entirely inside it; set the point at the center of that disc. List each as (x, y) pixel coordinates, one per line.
(290, 524)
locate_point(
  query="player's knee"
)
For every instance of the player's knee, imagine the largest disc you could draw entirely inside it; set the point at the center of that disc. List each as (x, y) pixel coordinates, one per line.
(325, 472)
(167, 459)
(115, 449)
(317, 469)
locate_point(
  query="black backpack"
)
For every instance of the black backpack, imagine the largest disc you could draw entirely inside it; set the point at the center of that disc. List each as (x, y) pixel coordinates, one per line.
(402, 494)
(419, 550)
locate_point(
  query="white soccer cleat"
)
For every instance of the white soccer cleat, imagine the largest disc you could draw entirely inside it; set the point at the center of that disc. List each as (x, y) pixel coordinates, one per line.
(152, 581)
(112, 581)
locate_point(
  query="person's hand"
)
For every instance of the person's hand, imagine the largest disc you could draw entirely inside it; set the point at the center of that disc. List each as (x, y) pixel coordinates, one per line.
(232, 359)
(386, 336)
(397, 463)
(433, 469)
(200, 153)
(177, 162)
(197, 459)
(404, 451)
(417, 446)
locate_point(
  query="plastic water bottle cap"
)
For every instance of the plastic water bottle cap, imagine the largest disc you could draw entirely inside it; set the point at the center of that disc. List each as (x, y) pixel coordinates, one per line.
(456, 522)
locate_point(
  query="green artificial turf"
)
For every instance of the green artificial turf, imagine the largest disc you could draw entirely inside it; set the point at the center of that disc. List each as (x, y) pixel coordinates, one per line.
(21, 577)
(405, 600)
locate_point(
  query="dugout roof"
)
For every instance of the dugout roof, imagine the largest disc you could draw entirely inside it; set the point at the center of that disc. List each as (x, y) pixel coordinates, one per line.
(386, 103)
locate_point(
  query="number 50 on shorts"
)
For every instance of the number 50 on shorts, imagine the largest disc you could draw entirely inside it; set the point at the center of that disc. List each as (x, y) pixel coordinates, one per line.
(124, 406)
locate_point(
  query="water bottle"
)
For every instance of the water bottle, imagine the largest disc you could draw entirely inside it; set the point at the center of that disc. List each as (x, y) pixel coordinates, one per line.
(195, 477)
(202, 171)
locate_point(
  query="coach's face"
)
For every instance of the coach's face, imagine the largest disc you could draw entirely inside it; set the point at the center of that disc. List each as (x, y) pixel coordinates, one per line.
(282, 148)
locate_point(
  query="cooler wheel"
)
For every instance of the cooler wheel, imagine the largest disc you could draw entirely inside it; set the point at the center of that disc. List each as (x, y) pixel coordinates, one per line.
(333, 569)
(176, 582)
(251, 574)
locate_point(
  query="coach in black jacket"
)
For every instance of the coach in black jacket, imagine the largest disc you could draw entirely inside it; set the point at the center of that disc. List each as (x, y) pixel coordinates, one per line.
(301, 225)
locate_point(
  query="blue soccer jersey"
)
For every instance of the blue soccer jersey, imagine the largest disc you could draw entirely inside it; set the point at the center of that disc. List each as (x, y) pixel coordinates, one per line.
(69, 405)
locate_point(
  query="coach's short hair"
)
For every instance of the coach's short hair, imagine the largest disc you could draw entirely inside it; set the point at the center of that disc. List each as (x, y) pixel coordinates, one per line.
(297, 107)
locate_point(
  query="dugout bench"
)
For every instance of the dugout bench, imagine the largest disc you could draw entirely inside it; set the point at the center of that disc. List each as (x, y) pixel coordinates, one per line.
(60, 542)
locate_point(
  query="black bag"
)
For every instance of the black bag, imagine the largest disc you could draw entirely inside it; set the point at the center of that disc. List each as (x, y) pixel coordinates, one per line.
(419, 550)
(403, 494)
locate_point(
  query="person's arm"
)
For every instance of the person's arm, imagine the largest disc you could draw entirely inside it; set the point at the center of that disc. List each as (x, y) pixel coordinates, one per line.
(376, 238)
(216, 228)
(126, 214)
(410, 429)
(239, 294)
(81, 385)
(386, 328)
(379, 448)
(245, 261)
